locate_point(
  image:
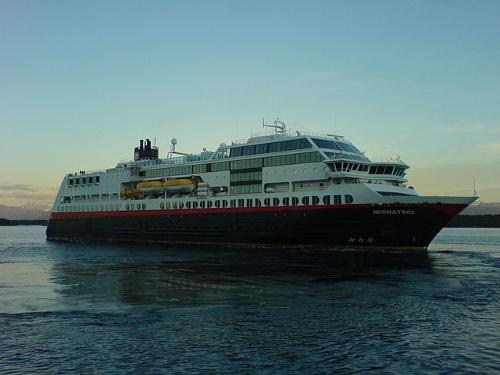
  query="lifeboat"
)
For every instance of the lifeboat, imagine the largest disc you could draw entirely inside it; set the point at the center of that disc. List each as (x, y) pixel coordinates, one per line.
(175, 186)
(130, 193)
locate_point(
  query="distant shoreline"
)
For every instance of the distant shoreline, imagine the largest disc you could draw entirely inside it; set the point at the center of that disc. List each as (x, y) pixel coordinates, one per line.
(475, 221)
(10, 223)
(460, 221)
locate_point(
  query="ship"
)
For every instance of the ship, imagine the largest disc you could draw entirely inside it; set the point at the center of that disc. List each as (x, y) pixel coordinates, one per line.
(280, 189)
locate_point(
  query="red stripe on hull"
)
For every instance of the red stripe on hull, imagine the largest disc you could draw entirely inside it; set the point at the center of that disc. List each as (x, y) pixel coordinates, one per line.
(448, 209)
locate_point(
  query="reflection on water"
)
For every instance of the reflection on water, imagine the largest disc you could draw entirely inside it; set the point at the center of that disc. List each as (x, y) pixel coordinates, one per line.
(190, 277)
(99, 308)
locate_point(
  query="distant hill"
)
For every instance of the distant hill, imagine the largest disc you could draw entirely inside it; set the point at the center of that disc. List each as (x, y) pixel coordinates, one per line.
(482, 209)
(475, 221)
(23, 213)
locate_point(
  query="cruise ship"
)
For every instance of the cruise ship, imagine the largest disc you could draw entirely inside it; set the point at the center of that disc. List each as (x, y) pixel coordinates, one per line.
(281, 189)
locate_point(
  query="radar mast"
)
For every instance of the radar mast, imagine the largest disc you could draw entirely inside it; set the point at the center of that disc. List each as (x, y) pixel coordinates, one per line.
(278, 125)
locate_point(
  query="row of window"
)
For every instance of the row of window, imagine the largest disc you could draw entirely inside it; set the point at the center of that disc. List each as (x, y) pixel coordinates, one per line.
(246, 176)
(246, 188)
(257, 202)
(335, 145)
(222, 203)
(80, 198)
(90, 208)
(270, 161)
(304, 157)
(293, 144)
(355, 167)
(84, 180)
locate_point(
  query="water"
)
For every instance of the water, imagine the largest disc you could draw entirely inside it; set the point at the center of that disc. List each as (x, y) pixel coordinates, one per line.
(107, 309)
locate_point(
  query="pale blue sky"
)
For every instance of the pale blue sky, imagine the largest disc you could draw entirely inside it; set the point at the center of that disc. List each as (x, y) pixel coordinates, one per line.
(82, 81)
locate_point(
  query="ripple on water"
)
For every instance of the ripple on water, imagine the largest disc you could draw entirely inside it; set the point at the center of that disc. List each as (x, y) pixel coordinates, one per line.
(90, 308)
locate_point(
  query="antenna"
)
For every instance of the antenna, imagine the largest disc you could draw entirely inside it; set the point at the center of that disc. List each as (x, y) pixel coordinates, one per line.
(474, 182)
(278, 125)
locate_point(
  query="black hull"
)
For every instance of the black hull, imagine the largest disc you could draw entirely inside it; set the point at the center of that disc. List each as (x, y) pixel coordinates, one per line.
(381, 226)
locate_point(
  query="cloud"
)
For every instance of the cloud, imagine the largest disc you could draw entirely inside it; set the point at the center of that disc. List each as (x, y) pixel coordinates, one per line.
(469, 128)
(37, 196)
(490, 148)
(15, 187)
(10, 191)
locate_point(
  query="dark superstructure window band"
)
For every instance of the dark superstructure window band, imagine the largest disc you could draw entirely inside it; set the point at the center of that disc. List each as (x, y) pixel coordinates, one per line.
(335, 145)
(290, 145)
(244, 164)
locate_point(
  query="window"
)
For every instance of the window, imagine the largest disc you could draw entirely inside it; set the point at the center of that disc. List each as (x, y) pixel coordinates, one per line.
(181, 204)
(200, 168)
(232, 203)
(258, 203)
(348, 199)
(337, 199)
(241, 203)
(267, 202)
(202, 204)
(77, 181)
(249, 202)
(326, 199)
(236, 151)
(90, 180)
(305, 201)
(286, 201)
(162, 205)
(97, 179)
(315, 200)
(224, 203)
(295, 201)
(261, 149)
(276, 201)
(217, 204)
(71, 182)
(195, 204)
(188, 205)
(209, 204)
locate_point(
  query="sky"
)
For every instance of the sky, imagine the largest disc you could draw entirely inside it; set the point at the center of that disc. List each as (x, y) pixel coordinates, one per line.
(82, 81)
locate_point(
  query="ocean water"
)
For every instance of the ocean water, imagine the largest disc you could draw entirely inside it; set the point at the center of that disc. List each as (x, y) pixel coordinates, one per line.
(138, 309)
